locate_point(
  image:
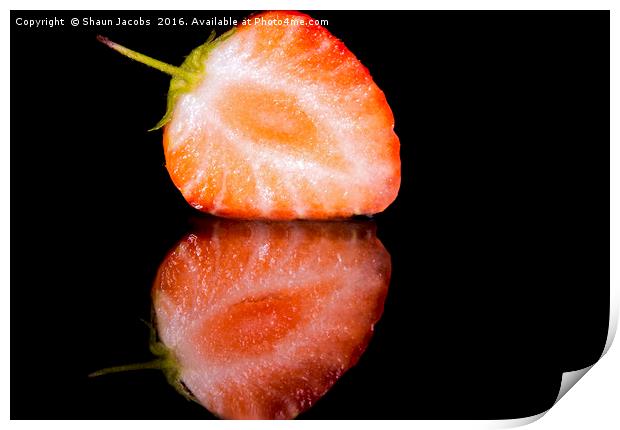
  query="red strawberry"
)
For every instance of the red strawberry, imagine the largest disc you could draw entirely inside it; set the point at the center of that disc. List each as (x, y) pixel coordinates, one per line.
(279, 122)
(263, 318)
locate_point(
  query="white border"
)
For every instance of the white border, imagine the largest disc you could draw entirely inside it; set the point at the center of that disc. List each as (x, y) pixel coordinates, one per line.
(593, 404)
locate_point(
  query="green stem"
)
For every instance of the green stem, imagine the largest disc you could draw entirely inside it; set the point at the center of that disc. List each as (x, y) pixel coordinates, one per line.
(158, 363)
(177, 72)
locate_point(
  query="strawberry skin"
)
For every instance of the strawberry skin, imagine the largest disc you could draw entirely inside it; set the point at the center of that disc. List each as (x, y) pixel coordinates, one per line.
(284, 123)
(263, 317)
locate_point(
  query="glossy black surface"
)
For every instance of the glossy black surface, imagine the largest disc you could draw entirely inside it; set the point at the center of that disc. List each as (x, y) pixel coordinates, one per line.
(499, 236)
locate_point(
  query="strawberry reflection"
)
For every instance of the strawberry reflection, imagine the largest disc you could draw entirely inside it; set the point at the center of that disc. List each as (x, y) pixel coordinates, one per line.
(261, 319)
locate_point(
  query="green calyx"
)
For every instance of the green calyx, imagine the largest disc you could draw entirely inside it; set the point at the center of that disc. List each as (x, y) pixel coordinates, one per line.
(164, 361)
(185, 78)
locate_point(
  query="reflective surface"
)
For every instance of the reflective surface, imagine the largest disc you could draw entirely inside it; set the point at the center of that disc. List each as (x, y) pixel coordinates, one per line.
(499, 237)
(263, 318)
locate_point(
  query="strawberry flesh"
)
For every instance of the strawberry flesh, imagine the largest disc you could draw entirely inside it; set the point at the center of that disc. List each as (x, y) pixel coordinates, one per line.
(286, 123)
(263, 318)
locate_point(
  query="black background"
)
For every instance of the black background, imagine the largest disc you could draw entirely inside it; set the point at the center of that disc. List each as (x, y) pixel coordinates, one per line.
(499, 237)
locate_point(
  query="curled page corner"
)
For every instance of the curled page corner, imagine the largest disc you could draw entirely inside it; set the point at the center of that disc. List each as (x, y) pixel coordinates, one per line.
(517, 422)
(570, 378)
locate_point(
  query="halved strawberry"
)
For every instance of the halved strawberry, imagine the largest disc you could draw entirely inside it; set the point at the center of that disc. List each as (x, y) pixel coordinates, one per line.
(263, 318)
(278, 121)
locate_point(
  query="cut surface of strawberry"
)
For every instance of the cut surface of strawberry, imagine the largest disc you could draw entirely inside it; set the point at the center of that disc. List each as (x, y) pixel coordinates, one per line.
(263, 318)
(279, 122)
